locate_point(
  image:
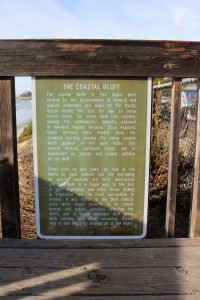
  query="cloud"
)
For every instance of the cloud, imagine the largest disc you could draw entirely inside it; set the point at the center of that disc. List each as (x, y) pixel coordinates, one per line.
(180, 15)
(63, 19)
(36, 19)
(121, 19)
(22, 84)
(99, 19)
(186, 17)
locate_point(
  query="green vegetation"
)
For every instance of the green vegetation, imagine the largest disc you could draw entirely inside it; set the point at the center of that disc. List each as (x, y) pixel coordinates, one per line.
(27, 132)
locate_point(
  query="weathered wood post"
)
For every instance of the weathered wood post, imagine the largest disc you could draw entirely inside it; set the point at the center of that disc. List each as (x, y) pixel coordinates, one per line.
(9, 186)
(195, 210)
(173, 157)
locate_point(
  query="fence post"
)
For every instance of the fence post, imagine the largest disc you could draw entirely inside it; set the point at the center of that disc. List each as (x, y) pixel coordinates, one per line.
(173, 157)
(195, 208)
(9, 185)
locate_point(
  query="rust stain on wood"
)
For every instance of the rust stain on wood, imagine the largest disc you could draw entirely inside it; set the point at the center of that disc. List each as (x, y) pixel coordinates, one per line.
(79, 47)
(190, 54)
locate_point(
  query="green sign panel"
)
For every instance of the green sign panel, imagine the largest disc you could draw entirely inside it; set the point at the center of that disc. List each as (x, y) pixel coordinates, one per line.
(91, 148)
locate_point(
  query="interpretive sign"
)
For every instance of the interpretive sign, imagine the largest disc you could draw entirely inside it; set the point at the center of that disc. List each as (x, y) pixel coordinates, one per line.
(91, 153)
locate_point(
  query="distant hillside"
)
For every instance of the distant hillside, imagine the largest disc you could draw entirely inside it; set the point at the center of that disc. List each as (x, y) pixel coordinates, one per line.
(25, 95)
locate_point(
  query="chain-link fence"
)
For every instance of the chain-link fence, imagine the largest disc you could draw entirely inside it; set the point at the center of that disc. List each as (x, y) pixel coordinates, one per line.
(160, 155)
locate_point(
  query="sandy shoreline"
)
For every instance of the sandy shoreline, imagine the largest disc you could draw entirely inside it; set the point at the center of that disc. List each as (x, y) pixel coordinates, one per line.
(23, 114)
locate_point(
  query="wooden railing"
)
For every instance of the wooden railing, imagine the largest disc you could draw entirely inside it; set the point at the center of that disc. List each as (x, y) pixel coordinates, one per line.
(94, 58)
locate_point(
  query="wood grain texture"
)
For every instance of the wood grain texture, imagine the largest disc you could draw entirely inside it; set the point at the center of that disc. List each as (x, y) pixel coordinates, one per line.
(9, 188)
(99, 281)
(112, 274)
(100, 273)
(122, 297)
(99, 58)
(98, 244)
(195, 210)
(173, 156)
(129, 258)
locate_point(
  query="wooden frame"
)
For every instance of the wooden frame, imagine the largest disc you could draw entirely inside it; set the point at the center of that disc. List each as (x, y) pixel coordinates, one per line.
(116, 58)
(9, 186)
(99, 58)
(195, 209)
(173, 157)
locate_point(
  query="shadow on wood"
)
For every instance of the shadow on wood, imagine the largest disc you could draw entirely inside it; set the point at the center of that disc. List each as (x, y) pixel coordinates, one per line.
(100, 269)
(59, 270)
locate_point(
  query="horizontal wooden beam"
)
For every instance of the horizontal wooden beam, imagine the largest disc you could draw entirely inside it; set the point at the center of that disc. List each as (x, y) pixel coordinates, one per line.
(99, 244)
(68, 273)
(99, 58)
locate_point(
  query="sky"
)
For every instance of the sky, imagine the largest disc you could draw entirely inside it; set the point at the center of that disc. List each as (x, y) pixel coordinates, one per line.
(98, 19)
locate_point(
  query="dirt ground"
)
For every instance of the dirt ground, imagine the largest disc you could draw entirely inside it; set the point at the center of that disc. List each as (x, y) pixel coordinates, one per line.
(27, 196)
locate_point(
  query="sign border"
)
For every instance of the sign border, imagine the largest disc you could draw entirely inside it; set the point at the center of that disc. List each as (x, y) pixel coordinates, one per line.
(147, 165)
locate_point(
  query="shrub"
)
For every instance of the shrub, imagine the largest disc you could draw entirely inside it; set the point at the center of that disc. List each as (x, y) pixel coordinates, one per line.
(25, 133)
